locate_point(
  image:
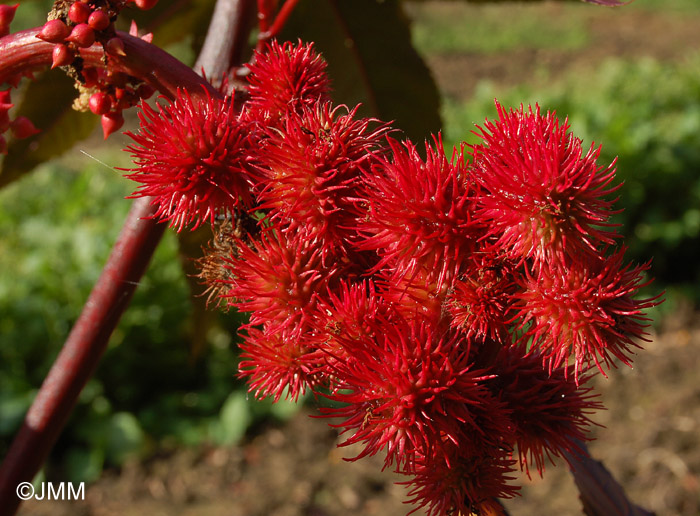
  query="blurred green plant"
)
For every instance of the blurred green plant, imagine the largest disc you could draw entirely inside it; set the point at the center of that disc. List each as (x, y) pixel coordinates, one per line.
(148, 388)
(451, 27)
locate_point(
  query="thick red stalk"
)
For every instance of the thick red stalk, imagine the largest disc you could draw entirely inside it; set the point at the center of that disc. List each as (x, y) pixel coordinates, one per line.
(277, 26)
(81, 352)
(600, 493)
(226, 38)
(23, 52)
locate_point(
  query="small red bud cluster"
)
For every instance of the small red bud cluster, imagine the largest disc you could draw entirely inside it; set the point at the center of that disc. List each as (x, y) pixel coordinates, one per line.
(20, 127)
(455, 306)
(79, 24)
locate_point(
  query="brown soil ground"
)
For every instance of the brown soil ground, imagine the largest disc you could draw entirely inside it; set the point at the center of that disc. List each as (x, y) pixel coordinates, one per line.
(651, 435)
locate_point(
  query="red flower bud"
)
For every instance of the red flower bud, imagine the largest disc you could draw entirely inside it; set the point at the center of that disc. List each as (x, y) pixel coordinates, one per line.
(54, 31)
(115, 46)
(145, 4)
(79, 12)
(62, 56)
(82, 35)
(99, 20)
(100, 103)
(7, 14)
(111, 123)
(22, 127)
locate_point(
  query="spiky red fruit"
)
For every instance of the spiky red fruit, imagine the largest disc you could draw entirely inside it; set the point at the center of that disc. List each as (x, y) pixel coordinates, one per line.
(192, 157)
(277, 364)
(540, 196)
(467, 484)
(286, 78)
(549, 409)
(481, 300)
(585, 309)
(277, 278)
(408, 388)
(420, 212)
(311, 172)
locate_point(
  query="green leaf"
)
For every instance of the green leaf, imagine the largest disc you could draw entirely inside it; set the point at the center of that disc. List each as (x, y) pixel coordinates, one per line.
(371, 60)
(234, 419)
(125, 437)
(47, 102)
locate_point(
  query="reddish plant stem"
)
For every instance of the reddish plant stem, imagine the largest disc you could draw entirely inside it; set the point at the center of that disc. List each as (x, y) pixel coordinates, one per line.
(226, 39)
(81, 352)
(600, 493)
(278, 24)
(23, 52)
(265, 9)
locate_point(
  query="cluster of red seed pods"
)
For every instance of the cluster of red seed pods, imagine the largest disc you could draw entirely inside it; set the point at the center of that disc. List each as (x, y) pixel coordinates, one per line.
(21, 126)
(80, 24)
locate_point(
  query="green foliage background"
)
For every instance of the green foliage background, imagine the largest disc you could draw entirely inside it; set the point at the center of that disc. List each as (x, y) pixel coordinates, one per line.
(152, 389)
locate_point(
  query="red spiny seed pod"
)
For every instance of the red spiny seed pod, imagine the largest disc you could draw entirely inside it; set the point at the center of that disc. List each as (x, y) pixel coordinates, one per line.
(423, 393)
(585, 308)
(192, 158)
(549, 409)
(276, 364)
(286, 78)
(61, 55)
(100, 103)
(462, 483)
(278, 279)
(540, 195)
(420, 212)
(481, 301)
(22, 127)
(311, 172)
(99, 20)
(82, 35)
(420, 292)
(54, 31)
(352, 311)
(79, 12)
(111, 123)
